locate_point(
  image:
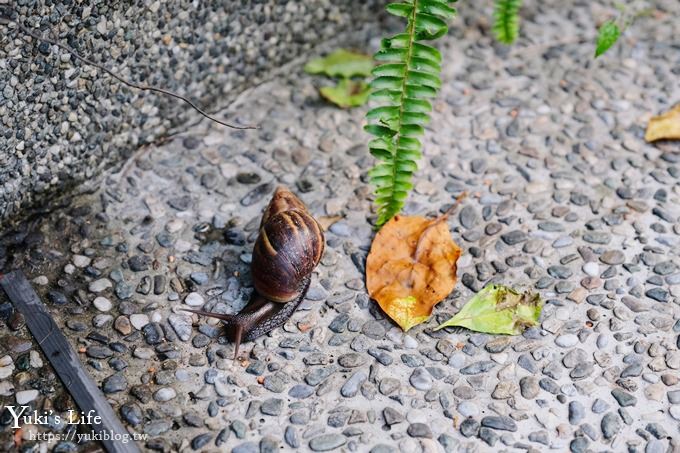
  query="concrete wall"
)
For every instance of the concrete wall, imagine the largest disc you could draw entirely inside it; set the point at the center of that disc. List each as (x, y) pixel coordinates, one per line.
(63, 122)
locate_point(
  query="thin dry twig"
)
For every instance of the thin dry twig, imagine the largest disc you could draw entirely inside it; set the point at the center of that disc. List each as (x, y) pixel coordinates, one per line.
(5, 19)
(459, 199)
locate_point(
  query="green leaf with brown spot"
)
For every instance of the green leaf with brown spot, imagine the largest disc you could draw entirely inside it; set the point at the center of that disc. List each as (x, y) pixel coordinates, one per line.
(498, 309)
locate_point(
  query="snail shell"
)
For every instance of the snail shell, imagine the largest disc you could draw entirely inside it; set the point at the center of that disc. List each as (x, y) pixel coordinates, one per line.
(288, 248)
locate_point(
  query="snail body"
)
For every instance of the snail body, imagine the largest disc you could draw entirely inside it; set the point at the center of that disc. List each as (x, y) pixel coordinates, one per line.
(289, 246)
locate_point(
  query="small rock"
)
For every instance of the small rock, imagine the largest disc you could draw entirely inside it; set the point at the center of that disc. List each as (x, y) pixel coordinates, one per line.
(100, 285)
(26, 396)
(194, 300)
(102, 304)
(499, 422)
(327, 442)
(164, 394)
(421, 379)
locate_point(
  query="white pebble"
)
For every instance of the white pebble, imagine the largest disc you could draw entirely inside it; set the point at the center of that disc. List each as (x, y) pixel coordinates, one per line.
(69, 268)
(602, 341)
(567, 340)
(101, 320)
(416, 416)
(651, 377)
(165, 394)
(410, 342)
(143, 353)
(6, 360)
(6, 371)
(591, 269)
(464, 261)
(41, 280)
(102, 304)
(138, 321)
(563, 314)
(675, 412)
(26, 396)
(194, 299)
(457, 360)
(468, 409)
(395, 335)
(100, 285)
(6, 388)
(81, 261)
(35, 360)
(174, 225)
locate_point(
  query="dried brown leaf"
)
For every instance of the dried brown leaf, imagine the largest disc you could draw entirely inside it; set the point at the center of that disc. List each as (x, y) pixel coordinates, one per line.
(665, 126)
(411, 267)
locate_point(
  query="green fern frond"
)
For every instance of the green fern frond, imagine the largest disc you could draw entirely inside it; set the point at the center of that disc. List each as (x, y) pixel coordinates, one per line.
(407, 77)
(506, 20)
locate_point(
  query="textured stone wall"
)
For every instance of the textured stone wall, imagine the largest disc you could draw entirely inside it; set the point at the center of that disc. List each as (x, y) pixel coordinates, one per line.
(63, 122)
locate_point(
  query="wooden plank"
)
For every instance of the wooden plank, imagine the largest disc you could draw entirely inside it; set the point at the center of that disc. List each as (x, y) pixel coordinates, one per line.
(66, 363)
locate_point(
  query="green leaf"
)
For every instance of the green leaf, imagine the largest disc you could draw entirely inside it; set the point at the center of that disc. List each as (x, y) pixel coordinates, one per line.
(427, 52)
(498, 309)
(414, 118)
(425, 65)
(381, 153)
(391, 54)
(607, 35)
(429, 26)
(401, 85)
(387, 83)
(383, 113)
(347, 93)
(379, 131)
(416, 105)
(383, 169)
(412, 130)
(436, 7)
(389, 69)
(391, 96)
(399, 9)
(397, 41)
(420, 91)
(506, 20)
(423, 78)
(341, 63)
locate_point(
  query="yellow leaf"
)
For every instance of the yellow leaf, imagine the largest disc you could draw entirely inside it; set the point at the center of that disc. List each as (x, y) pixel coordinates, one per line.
(405, 312)
(665, 126)
(411, 267)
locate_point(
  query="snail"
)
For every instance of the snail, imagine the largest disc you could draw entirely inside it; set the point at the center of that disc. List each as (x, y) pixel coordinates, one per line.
(288, 248)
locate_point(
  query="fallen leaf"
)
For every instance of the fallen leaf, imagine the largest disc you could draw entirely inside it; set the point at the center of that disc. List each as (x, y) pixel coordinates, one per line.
(341, 63)
(411, 267)
(500, 310)
(347, 93)
(607, 36)
(665, 126)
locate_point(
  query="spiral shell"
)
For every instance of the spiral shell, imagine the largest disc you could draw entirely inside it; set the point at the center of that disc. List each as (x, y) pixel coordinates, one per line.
(287, 250)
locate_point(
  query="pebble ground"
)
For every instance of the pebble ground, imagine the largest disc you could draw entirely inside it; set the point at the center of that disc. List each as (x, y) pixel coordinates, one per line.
(565, 197)
(63, 122)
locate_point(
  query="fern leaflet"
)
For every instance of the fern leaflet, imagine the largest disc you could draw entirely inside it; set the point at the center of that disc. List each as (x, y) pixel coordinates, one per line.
(506, 20)
(404, 81)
